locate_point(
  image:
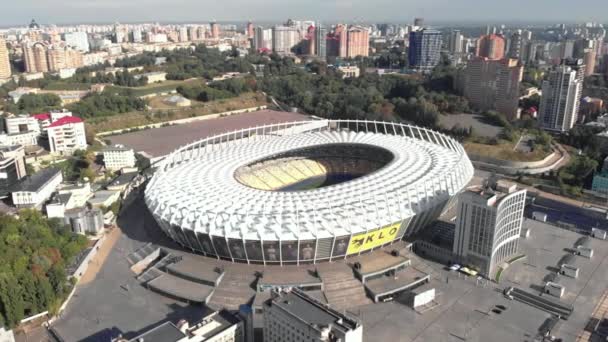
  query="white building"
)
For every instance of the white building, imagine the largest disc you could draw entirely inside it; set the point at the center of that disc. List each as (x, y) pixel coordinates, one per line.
(488, 226)
(561, 99)
(23, 139)
(262, 39)
(66, 135)
(294, 316)
(117, 157)
(284, 38)
(32, 191)
(77, 40)
(153, 77)
(219, 326)
(18, 124)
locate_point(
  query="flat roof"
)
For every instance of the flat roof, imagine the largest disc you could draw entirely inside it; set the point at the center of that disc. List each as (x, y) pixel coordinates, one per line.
(181, 288)
(37, 181)
(161, 141)
(166, 332)
(404, 279)
(123, 178)
(312, 312)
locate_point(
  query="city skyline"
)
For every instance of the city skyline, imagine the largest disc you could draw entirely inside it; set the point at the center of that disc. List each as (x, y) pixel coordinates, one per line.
(437, 11)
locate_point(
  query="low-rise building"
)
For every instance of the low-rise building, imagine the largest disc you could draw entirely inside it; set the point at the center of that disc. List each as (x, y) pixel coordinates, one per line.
(34, 190)
(117, 157)
(84, 220)
(153, 77)
(219, 326)
(294, 316)
(104, 198)
(24, 139)
(12, 168)
(122, 182)
(350, 71)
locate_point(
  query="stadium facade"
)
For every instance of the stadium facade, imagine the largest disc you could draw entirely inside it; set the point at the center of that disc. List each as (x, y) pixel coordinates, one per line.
(308, 191)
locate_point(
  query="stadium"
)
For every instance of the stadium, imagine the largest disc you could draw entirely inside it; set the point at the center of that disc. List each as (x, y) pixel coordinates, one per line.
(306, 191)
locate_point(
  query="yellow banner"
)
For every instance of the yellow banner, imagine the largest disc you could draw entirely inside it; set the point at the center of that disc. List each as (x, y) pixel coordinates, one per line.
(372, 239)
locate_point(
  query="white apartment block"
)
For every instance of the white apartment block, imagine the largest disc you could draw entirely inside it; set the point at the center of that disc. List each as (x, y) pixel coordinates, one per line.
(294, 316)
(66, 135)
(488, 226)
(34, 190)
(561, 99)
(23, 139)
(117, 157)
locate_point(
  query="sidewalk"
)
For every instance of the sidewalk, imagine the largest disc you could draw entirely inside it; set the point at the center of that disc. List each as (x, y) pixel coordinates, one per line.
(99, 259)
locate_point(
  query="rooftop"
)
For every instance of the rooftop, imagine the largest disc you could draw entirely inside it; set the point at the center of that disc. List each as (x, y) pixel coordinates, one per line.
(312, 312)
(65, 121)
(166, 332)
(37, 181)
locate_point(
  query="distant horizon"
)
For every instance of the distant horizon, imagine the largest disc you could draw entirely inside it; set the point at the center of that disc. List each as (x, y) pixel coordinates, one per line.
(437, 23)
(436, 12)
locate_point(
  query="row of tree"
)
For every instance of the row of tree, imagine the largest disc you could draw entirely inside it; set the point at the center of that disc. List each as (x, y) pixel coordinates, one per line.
(34, 253)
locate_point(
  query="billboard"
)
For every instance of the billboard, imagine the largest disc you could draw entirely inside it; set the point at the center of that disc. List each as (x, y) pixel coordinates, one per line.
(364, 241)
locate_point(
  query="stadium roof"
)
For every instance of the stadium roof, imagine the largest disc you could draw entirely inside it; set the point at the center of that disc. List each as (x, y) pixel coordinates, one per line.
(428, 168)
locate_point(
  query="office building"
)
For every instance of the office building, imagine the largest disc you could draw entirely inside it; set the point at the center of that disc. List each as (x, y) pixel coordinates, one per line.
(321, 41)
(78, 40)
(358, 42)
(117, 157)
(5, 64)
(424, 51)
(262, 39)
(34, 56)
(493, 84)
(23, 123)
(218, 326)
(215, 30)
(560, 102)
(488, 226)
(34, 190)
(294, 316)
(284, 39)
(491, 46)
(456, 42)
(12, 168)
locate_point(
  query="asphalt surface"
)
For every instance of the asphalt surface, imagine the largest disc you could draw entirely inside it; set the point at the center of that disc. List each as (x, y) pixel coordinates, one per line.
(558, 212)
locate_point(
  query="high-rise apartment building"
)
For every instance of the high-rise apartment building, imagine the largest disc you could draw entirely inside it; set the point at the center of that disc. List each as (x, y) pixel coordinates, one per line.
(201, 31)
(516, 42)
(34, 55)
(488, 226)
(5, 64)
(589, 60)
(321, 41)
(456, 42)
(358, 42)
(493, 84)
(294, 316)
(193, 33)
(424, 50)
(215, 30)
(560, 102)
(262, 39)
(137, 34)
(183, 34)
(60, 57)
(77, 40)
(491, 46)
(250, 30)
(284, 38)
(341, 34)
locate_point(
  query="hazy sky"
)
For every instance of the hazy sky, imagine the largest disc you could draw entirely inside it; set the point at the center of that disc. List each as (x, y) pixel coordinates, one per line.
(15, 12)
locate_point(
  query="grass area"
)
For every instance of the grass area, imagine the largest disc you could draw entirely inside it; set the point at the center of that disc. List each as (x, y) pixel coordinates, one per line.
(134, 119)
(63, 85)
(162, 87)
(504, 150)
(498, 274)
